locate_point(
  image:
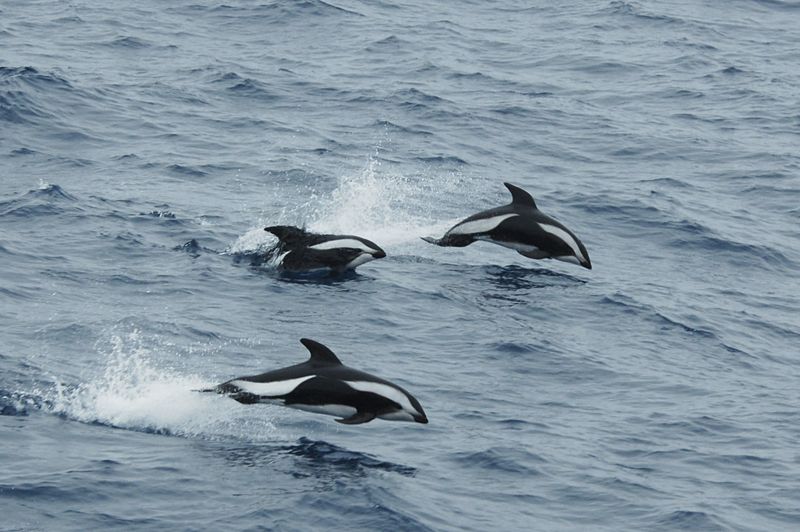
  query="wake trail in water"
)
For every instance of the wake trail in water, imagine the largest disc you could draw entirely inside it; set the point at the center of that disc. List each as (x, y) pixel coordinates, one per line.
(134, 393)
(389, 208)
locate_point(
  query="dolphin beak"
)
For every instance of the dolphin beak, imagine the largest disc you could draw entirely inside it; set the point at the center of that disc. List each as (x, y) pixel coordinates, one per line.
(587, 264)
(379, 254)
(421, 418)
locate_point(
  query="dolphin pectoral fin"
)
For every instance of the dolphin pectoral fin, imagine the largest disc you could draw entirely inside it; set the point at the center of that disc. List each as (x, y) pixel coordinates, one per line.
(358, 418)
(535, 254)
(245, 398)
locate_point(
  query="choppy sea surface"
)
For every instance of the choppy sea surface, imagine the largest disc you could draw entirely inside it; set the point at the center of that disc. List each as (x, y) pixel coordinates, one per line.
(144, 145)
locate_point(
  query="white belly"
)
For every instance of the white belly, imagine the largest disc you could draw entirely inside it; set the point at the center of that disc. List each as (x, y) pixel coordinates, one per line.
(329, 410)
(516, 246)
(358, 261)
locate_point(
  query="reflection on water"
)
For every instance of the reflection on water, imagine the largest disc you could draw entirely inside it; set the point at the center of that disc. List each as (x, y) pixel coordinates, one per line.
(519, 278)
(311, 459)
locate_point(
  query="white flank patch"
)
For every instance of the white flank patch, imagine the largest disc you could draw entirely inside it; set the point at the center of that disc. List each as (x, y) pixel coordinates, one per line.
(567, 238)
(358, 261)
(483, 225)
(513, 245)
(271, 389)
(386, 391)
(349, 243)
(330, 410)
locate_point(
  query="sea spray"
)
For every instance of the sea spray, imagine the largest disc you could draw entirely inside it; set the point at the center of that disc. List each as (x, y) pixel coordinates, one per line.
(133, 392)
(390, 208)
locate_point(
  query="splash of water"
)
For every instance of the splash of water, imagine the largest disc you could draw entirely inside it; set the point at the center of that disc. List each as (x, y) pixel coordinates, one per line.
(134, 393)
(255, 240)
(390, 208)
(387, 207)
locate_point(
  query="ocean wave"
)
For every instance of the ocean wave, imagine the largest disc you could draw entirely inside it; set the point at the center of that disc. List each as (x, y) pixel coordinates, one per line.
(704, 241)
(248, 87)
(637, 11)
(47, 200)
(630, 305)
(22, 91)
(186, 170)
(29, 76)
(323, 454)
(128, 42)
(691, 520)
(277, 11)
(411, 130)
(39, 490)
(509, 460)
(390, 44)
(48, 104)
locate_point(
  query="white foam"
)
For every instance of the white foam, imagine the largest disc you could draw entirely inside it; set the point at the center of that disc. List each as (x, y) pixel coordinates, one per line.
(134, 393)
(391, 209)
(383, 206)
(254, 240)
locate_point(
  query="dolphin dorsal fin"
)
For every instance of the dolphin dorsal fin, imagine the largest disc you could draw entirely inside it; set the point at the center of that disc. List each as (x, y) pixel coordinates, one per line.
(320, 354)
(286, 233)
(519, 196)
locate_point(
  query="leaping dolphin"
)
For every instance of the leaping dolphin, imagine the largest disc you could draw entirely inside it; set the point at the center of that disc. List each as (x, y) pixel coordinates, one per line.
(521, 226)
(324, 385)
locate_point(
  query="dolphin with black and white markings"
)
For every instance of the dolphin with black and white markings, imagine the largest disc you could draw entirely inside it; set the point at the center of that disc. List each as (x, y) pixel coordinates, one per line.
(521, 226)
(304, 251)
(324, 385)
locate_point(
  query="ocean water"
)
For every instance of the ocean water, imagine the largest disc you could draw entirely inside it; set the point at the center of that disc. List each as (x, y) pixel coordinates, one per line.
(144, 146)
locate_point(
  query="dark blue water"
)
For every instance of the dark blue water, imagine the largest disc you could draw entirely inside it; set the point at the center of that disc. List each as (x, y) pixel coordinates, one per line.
(658, 391)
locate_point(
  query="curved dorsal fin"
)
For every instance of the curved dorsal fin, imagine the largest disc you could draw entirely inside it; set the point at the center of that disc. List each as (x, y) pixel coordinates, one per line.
(320, 355)
(286, 233)
(519, 196)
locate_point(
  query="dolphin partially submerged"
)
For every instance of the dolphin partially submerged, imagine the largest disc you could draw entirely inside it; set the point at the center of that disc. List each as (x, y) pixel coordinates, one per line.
(305, 251)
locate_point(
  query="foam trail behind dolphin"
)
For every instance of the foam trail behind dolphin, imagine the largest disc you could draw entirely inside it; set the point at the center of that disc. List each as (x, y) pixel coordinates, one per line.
(133, 392)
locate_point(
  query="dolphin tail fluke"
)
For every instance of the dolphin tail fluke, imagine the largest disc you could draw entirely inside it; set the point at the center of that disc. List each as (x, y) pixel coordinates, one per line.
(431, 240)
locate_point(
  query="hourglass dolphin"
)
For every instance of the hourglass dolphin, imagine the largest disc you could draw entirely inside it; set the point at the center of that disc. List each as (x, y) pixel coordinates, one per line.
(521, 226)
(324, 385)
(305, 251)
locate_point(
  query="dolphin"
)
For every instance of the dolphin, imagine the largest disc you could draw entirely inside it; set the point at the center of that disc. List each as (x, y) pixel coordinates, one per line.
(521, 226)
(324, 385)
(304, 251)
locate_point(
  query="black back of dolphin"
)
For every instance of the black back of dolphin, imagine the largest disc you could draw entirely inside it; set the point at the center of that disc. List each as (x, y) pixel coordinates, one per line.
(327, 385)
(289, 235)
(520, 226)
